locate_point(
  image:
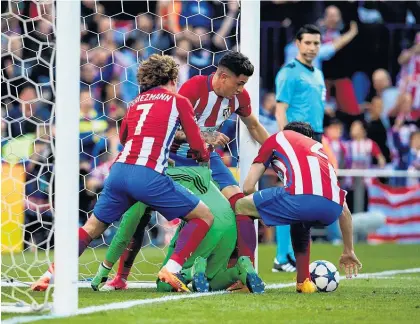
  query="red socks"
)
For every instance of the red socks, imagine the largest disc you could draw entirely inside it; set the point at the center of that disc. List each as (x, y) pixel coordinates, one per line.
(133, 248)
(189, 238)
(127, 258)
(247, 237)
(300, 235)
(84, 240)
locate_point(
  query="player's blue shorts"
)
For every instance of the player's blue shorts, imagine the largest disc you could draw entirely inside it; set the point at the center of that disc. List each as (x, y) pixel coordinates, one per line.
(277, 207)
(128, 183)
(219, 171)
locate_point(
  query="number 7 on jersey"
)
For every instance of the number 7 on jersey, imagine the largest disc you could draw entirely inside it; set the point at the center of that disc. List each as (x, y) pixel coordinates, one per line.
(146, 109)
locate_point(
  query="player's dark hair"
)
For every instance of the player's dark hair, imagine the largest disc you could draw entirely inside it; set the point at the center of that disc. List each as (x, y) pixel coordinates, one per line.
(301, 128)
(237, 63)
(307, 29)
(157, 70)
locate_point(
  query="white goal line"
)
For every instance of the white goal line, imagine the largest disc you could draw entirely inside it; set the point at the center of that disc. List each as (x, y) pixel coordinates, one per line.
(172, 297)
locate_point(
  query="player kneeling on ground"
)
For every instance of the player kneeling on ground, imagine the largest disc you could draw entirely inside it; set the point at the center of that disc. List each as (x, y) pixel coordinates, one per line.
(206, 268)
(138, 174)
(311, 195)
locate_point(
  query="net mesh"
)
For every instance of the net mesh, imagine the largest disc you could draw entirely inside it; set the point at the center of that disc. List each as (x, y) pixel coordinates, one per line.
(115, 36)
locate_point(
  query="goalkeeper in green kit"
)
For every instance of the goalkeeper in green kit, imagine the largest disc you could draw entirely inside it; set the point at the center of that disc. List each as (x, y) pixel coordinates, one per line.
(206, 268)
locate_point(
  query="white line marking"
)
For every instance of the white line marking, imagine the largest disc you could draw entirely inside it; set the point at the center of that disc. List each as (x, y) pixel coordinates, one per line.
(129, 304)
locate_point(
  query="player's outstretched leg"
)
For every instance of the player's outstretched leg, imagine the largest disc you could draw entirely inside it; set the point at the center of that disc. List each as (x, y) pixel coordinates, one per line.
(127, 258)
(92, 228)
(301, 235)
(130, 222)
(42, 283)
(199, 279)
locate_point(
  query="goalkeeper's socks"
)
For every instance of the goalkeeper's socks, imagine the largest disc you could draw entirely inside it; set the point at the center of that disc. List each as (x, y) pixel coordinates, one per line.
(189, 238)
(300, 235)
(101, 277)
(84, 240)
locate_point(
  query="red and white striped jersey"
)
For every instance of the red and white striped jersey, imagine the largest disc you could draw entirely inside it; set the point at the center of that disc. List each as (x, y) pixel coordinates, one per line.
(149, 126)
(210, 110)
(410, 83)
(301, 165)
(360, 153)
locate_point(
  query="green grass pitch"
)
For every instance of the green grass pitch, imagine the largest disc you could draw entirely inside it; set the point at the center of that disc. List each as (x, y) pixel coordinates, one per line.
(393, 299)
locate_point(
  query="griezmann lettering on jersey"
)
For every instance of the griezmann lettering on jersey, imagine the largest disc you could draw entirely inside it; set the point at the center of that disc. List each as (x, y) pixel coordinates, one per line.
(149, 126)
(301, 165)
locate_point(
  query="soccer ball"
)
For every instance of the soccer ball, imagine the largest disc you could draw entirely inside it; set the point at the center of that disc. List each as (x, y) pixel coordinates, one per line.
(325, 275)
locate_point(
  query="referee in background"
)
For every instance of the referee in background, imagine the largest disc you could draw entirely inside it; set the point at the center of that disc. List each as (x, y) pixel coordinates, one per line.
(300, 96)
(300, 87)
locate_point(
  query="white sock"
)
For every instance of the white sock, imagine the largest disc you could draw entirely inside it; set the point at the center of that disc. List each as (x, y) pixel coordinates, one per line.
(173, 266)
(47, 274)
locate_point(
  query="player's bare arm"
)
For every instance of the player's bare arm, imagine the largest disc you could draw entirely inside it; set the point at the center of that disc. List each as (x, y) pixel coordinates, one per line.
(348, 260)
(255, 173)
(347, 37)
(281, 118)
(381, 160)
(213, 138)
(246, 205)
(256, 129)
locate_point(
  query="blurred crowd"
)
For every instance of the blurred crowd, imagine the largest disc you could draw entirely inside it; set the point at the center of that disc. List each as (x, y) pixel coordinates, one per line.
(372, 117)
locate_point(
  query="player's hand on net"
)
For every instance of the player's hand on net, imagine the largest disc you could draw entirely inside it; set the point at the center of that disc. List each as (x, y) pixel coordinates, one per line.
(216, 138)
(350, 264)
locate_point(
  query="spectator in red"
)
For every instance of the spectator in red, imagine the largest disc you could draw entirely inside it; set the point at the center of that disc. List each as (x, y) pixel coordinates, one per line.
(338, 69)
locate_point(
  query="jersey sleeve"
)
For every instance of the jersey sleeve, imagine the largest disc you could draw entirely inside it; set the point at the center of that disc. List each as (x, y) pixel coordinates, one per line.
(244, 108)
(266, 151)
(191, 129)
(190, 89)
(285, 85)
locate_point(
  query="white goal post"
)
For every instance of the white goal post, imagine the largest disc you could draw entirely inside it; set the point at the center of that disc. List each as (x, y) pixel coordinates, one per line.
(67, 108)
(250, 46)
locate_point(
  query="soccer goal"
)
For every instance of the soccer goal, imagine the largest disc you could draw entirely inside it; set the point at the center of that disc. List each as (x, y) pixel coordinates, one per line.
(68, 73)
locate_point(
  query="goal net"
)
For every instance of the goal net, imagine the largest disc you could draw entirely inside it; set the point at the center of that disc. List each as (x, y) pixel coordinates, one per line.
(115, 37)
